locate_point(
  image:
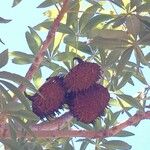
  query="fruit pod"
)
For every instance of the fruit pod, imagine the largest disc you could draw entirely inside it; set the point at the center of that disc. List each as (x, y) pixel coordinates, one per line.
(87, 105)
(49, 98)
(82, 76)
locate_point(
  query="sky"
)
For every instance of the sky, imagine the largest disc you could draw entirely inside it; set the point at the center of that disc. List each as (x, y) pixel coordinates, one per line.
(13, 35)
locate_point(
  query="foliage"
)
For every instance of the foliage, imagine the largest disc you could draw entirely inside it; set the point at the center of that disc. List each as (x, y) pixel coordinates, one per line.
(110, 33)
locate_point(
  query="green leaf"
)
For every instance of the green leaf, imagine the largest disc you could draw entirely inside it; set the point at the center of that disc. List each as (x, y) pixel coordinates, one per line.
(21, 58)
(124, 80)
(16, 91)
(133, 25)
(134, 3)
(137, 75)
(3, 58)
(24, 125)
(62, 27)
(64, 56)
(118, 3)
(2, 20)
(13, 106)
(12, 129)
(143, 8)
(82, 46)
(84, 145)
(124, 133)
(2, 42)
(141, 57)
(25, 114)
(17, 79)
(5, 92)
(37, 78)
(48, 3)
(109, 34)
(113, 118)
(67, 146)
(84, 126)
(11, 143)
(94, 21)
(72, 15)
(112, 58)
(117, 144)
(124, 59)
(145, 40)
(130, 100)
(147, 57)
(87, 14)
(119, 20)
(32, 43)
(111, 44)
(16, 2)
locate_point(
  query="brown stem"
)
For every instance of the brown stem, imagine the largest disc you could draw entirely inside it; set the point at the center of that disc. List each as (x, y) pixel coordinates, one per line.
(39, 56)
(46, 130)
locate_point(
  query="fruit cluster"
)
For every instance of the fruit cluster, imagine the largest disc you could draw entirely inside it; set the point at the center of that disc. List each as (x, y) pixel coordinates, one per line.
(86, 99)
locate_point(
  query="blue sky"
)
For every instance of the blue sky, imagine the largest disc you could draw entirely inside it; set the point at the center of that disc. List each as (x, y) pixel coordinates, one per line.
(13, 35)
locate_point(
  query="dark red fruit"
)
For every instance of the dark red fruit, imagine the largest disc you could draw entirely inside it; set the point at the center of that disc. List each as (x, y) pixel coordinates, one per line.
(49, 98)
(82, 76)
(87, 105)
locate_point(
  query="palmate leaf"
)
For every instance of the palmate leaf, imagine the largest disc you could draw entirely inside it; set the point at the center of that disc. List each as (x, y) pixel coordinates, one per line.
(116, 144)
(3, 58)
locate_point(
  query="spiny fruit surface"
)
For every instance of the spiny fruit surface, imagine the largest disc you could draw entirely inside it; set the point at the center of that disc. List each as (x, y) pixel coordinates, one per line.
(49, 98)
(82, 76)
(87, 105)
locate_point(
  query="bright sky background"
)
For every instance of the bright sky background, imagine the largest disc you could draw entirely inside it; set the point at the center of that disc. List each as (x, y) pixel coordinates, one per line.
(13, 35)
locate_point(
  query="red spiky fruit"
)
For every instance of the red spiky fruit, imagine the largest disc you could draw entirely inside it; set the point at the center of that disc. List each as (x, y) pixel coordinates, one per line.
(49, 98)
(87, 105)
(82, 76)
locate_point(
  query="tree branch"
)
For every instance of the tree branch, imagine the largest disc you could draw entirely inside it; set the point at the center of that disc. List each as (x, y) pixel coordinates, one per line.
(51, 34)
(46, 130)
